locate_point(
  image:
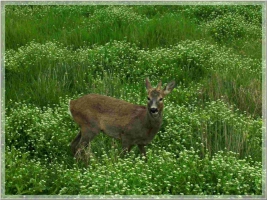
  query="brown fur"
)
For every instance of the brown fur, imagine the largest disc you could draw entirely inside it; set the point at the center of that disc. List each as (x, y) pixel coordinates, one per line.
(132, 124)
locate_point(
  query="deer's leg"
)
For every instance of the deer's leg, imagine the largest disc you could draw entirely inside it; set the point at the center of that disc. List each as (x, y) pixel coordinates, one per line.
(87, 135)
(142, 150)
(75, 142)
(126, 148)
(129, 148)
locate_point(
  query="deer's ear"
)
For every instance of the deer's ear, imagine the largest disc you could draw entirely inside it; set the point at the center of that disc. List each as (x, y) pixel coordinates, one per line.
(169, 87)
(159, 85)
(148, 85)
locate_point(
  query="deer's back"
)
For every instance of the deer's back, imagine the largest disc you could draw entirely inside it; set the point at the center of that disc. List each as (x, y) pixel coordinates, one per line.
(105, 111)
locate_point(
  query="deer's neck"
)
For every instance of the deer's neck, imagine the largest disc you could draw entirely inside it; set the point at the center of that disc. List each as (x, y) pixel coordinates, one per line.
(153, 122)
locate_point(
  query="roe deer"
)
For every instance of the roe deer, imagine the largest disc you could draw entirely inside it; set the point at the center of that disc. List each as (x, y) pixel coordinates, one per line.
(132, 124)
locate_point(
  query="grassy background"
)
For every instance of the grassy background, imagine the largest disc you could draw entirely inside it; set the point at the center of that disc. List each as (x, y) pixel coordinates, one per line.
(211, 138)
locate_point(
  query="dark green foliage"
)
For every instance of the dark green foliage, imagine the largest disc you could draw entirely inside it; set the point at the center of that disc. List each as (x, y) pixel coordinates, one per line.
(210, 142)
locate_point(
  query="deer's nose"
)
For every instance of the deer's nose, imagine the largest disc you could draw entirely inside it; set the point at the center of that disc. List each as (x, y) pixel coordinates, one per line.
(153, 110)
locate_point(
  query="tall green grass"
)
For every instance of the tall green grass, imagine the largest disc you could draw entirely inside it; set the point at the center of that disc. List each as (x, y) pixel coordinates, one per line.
(210, 142)
(148, 26)
(78, 26)
(60, 71)
(195, 146)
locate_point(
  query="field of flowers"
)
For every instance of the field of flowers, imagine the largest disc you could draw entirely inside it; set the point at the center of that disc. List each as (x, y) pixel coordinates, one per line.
(210, 142)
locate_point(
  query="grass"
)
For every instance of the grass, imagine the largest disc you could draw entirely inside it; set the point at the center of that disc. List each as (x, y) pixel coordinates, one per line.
(210, 142)
(57, 72)
(78, 26)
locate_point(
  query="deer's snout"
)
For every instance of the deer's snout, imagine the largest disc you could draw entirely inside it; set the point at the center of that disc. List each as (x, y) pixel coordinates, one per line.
(153, 110)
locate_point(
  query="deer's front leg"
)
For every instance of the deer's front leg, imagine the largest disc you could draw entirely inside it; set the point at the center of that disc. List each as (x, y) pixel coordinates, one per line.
(142, 150)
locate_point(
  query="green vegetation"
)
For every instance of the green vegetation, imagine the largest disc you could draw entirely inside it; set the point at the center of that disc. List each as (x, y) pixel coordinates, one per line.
(210, 142)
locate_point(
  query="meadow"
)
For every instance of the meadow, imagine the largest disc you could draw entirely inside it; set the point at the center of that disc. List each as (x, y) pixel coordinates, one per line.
(210, 142)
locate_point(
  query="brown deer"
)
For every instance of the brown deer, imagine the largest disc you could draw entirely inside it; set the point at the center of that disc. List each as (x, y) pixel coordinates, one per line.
(130, 123)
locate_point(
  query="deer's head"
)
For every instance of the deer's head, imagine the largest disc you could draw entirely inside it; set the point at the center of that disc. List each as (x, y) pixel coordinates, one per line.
(155, 97)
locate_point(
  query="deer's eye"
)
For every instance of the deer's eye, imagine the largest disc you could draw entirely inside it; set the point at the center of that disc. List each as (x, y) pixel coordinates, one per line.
(160, 99)
(148, 98)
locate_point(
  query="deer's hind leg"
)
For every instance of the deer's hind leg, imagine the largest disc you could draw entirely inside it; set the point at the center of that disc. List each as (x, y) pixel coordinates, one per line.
(86, 136)
(75, 142)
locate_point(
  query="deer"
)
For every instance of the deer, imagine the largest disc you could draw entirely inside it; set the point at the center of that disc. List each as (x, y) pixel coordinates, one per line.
(132, 124)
